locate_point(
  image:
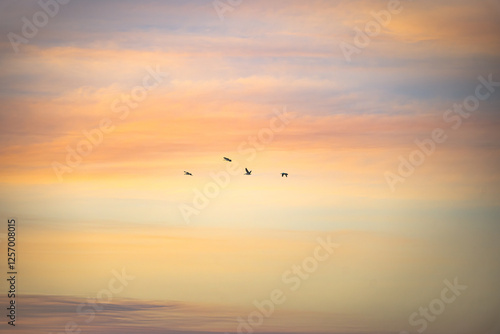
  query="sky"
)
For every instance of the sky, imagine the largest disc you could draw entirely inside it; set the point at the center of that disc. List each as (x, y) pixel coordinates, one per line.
(384, 114)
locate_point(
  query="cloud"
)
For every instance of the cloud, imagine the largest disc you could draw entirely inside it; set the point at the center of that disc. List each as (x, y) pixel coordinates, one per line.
(52, 313)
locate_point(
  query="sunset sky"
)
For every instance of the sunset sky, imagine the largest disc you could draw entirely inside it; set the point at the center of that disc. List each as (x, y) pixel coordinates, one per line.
(107, 103)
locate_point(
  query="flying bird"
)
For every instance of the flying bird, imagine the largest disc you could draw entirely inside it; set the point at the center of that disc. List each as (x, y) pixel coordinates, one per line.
(284, 174)
(248, 172)
(187, 173)
(227, 159)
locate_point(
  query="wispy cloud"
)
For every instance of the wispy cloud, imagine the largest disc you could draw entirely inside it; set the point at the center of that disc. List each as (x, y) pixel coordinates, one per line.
(52, 313)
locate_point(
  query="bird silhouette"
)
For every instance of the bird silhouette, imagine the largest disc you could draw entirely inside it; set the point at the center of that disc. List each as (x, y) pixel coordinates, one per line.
(187, 173)
(284, 174)
(227, 159)
(248, 172)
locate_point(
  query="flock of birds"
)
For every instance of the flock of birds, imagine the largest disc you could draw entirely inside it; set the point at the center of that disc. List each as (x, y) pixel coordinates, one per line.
(247, 172)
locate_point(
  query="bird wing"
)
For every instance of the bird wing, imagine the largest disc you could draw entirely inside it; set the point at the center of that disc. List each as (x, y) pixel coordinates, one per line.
(247, 170)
